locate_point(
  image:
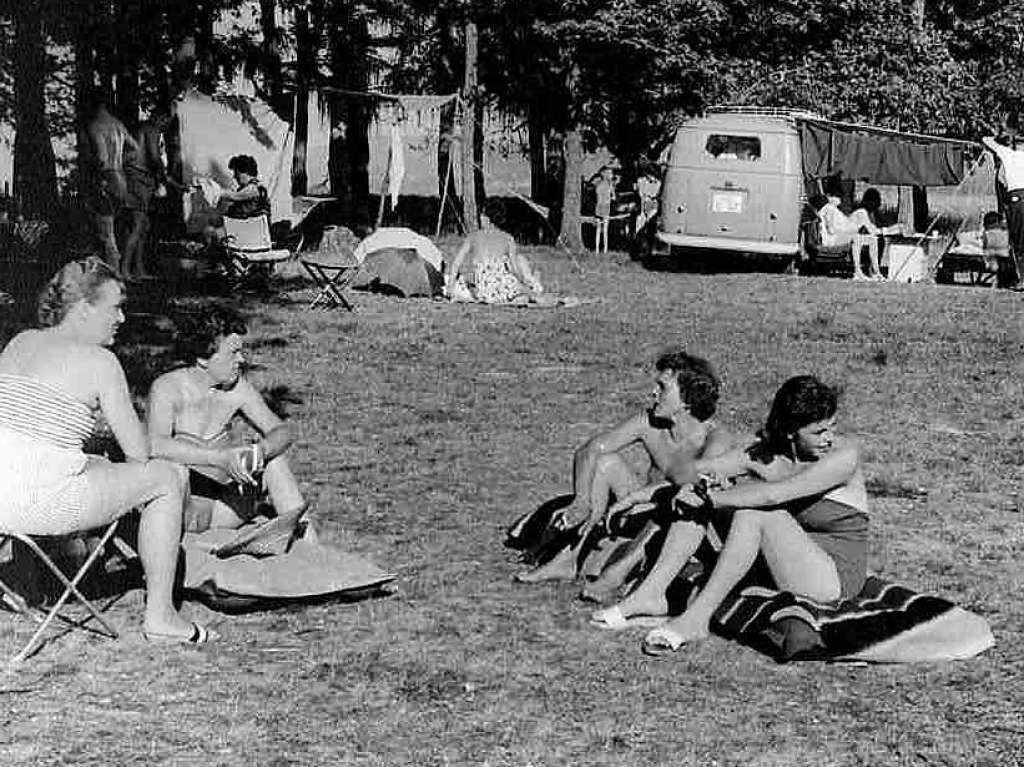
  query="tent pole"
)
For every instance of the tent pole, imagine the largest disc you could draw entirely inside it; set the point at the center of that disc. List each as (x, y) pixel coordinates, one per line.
(444, 194)
(383, 193)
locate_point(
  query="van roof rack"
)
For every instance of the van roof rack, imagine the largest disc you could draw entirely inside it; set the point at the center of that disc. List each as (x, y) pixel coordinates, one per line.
(787, 112)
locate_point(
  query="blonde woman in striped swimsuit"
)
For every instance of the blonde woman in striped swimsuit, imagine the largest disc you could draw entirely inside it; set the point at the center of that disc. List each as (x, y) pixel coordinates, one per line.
(53, 380)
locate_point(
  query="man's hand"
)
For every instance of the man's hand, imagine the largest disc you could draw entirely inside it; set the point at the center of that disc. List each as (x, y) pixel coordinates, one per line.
(233, 461)
(571, 516)
(689, 498)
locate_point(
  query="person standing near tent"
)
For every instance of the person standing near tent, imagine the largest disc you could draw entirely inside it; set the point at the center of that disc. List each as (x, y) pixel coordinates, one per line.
(191, 410)
(1012, 161)
(146, 178)
(103, 179)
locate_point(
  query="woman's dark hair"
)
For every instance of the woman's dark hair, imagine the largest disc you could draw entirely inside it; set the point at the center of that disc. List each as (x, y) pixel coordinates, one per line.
(799, 402)
(73, 282)
(698, 384)
(198, 332)
(871, 199)
(243, 163)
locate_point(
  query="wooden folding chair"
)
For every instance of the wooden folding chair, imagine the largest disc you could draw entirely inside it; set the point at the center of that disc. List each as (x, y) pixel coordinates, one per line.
(332, 273)
(249, 247)
(16, 601)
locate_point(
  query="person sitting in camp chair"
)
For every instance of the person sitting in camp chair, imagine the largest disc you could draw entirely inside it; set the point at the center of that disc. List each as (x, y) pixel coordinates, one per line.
(248, 200)
(190, 411)
(858, 230)
(489, 269)
(675, 431)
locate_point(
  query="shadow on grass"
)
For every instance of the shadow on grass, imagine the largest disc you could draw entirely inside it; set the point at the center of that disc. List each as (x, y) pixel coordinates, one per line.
(240, 604)
(708, 261)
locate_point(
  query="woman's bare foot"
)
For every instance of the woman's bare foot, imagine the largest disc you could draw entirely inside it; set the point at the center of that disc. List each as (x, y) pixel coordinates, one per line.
(688, 628)
(561, 567)
(640, 603)
(161, 624)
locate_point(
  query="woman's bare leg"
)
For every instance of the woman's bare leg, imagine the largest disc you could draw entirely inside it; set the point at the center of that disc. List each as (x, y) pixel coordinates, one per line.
(648, 598)
(796, 562)
(611, 477)
(159, 487)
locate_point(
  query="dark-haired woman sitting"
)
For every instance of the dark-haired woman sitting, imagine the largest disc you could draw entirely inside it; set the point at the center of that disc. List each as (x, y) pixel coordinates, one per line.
(806, 519)
(53, 381)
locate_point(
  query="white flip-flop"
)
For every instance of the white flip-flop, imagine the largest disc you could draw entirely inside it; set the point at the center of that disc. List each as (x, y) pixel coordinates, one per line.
(613, 619)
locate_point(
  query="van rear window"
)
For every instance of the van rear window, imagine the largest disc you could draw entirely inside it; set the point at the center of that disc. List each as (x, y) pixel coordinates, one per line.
(723, 147)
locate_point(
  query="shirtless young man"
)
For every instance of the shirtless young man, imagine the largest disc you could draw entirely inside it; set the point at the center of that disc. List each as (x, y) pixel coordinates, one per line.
(190, 411)
(675, 431)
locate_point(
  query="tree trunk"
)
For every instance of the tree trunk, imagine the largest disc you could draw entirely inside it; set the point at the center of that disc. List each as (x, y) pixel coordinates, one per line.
(35, 174)
(469, 85)
(270, 60)
(305, 66)
(538, 156)
(917, 13)
(572, 148)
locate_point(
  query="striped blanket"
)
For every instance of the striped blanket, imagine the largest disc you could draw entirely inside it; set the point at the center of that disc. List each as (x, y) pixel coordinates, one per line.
(885, 623)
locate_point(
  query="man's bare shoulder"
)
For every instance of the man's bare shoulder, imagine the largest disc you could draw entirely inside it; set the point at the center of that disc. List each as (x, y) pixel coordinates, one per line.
(169, 385)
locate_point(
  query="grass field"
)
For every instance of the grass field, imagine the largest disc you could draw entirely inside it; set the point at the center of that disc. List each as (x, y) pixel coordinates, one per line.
(426, 427)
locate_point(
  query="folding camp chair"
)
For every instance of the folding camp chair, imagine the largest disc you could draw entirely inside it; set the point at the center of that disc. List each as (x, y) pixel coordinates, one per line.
(332, 273)
(249, 247)
(14, 600)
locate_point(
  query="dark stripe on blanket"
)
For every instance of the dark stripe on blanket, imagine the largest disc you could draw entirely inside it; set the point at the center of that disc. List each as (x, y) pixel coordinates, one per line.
(880, 612)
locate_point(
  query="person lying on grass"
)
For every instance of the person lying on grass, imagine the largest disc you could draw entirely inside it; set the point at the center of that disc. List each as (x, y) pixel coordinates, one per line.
(190, 412)
(54, 381)
(805, 520)
(675, 431)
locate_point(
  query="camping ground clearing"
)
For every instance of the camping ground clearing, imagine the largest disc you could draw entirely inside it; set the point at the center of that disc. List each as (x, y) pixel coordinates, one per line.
(426, 427)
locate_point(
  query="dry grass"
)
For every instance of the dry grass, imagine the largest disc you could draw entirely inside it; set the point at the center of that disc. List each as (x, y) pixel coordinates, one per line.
(426, 427)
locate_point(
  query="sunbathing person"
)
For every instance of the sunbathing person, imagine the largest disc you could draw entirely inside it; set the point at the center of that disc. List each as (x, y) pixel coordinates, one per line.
(806, 520)
(675, 431)
(53, 383)
(190, 412)
(489, 269)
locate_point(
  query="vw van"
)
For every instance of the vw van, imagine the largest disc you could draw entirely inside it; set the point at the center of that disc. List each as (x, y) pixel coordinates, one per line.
(734, 182)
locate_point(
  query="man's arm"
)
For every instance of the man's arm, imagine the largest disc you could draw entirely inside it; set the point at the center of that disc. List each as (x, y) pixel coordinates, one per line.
(584, 464)
(277, 434)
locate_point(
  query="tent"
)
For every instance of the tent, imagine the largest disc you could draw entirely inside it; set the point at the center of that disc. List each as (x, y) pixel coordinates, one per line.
(398, 237)
(212, 129)
(881, 156)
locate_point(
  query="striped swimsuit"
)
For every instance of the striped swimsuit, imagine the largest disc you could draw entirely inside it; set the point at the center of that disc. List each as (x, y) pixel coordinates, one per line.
(43, 488)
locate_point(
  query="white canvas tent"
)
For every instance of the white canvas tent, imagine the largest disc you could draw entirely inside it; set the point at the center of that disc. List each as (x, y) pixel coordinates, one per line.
(213, 129)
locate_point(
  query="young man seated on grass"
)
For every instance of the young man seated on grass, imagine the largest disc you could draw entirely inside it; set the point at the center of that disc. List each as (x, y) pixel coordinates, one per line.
(675, 431)
(191, 410)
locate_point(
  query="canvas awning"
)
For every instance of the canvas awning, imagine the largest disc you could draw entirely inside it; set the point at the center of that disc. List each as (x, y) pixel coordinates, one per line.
(881, 156)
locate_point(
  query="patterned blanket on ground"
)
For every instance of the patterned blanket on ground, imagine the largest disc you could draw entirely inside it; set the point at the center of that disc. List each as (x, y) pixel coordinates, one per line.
(885, 623)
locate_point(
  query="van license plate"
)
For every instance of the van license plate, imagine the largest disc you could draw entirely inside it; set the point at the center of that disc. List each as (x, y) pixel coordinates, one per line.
(727, 202)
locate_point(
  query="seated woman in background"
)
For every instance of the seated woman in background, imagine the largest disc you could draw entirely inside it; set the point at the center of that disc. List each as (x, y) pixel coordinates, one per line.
(805, 521)
(489, 269)
(191, 410)
(248, 200)
(52, 383)
(857, 230)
